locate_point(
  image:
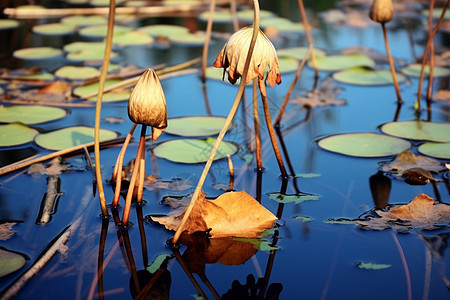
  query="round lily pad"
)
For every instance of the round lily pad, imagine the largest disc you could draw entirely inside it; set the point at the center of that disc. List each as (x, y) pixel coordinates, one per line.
(413, 70)
(84, 90)
(89, 55)
(8, 24)
(10, 262)
(163, 30)
(99, 31)
(77, 73)
(282, 25)
(83, 21)
(192, 151)
(188, 39)
(132, 38)
(37, 53)
(419, 130)
(299, 52)
(16, 134)
(438, 150)
(288, 65)
(30, 114)
(54, 29)
(340, 62)
(195, 126)
(113, 96)
(79, 46)
(247, 15)
(222, 17)
(366, 76)
(38, 76)
(364, 144)
(71, 136)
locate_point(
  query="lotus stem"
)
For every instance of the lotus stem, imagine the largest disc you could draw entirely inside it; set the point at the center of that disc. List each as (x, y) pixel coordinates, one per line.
(431, 63)
(127, 207)
(98, 107)
(291, 88)
(273, 138)
(391, 64)
(259, 165)
(224, 129)
(425, 55)
(212, 7)
(233, 13)
(308, 36)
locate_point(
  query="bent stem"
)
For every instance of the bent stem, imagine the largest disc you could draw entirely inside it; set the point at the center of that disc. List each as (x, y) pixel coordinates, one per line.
(212, 7)
(127, 207)
(308, 37)
(273, 138)
(98, 107)
(391, 64)
(225, 127)
(425, 55)
(259, 165)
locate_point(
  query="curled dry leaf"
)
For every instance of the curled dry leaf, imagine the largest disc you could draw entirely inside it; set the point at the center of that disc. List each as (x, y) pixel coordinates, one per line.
(420, 213)
(442, 95)
(232, 214)
(417, 176)
(408, 160)
(323, 96)
(6, 230)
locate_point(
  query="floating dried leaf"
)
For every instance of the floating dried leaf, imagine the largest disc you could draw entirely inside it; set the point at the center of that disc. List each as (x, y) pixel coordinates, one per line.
(408, 160)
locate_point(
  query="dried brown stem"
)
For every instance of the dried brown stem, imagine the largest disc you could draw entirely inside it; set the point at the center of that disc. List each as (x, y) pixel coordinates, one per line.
(431, 63)
(391, 64)
(212, 7)
(259, 165)
(308, 36)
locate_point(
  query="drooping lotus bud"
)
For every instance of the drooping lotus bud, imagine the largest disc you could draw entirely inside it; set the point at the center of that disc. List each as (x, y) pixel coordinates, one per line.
(234, 53)
(147, 104)
(381, 11)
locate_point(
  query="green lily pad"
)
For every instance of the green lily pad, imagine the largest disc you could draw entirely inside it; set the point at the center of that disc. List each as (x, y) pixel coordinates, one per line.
(220, 17)
(188, 39)
(419, 130)
(413, 70)
(191, 151)
(437, 11)
(113, 96)
(364, 144)
(163, 30)
(372, 266)
(8, 24)
(89, 55)
(303, 219)
(84, 90)
(366, 76)
(104, 2)
(16, 134)
(30, 114)
(132, 38)
(99, 31)
(282, 25)
(10, 262)
(246, 15)
(438, 150)
(71, 136)
(77, 73)
(341, 62)
(79, 46)
(299, 52)
(195, 126)
(83, 21)
(282, 198)
(38, 76)
(37, 53)
(54, 29)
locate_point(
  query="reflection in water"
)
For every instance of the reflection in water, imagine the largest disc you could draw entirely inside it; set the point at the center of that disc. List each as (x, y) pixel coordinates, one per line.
(380, 187)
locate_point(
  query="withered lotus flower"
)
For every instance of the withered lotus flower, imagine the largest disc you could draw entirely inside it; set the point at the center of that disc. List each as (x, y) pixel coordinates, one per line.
(234, 54)
(381, 11)
(147, 104)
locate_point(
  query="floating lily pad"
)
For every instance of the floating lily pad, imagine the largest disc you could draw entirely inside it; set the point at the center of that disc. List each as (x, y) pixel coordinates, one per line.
(247, 15)
(71, 136)
(419, 130)
(282, 198)
(340, 62)
(366, 76)
(38, 76)
(414, 70)
(99, 31)
(54, 29)
(84, 90)
(222, 17)
(132, 38)
(30, 114)
(16, 134)
(83, 21)
(8, 24)
(163, 30)
(364, 144)
(10, 262)
(89, 55)
(113, 96)
(282, 25)
(299, 52)
(77, 73)
(79, 46)
(372, 266)
(192, 151)
(104, 2)
(195, 126)
(438, 150)
(188, 39)
(37, 53)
